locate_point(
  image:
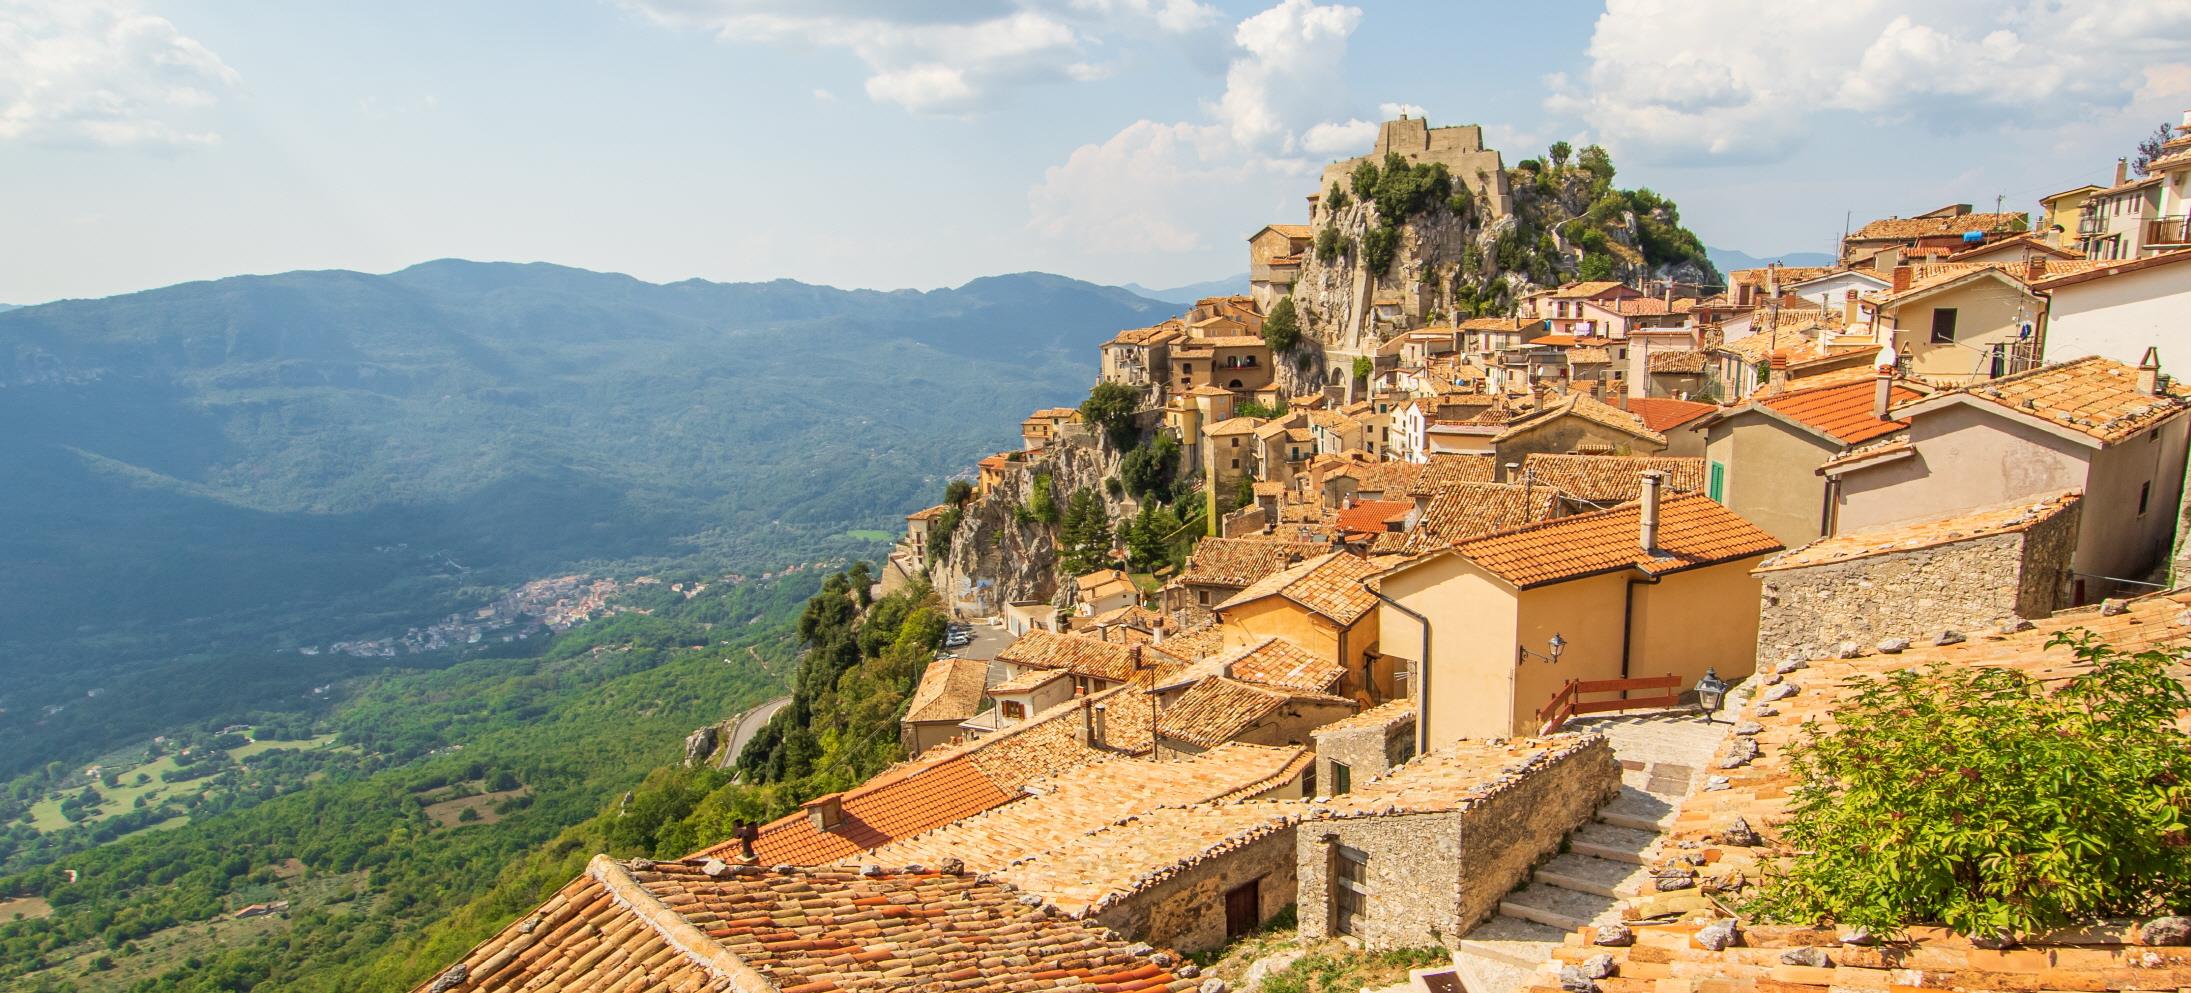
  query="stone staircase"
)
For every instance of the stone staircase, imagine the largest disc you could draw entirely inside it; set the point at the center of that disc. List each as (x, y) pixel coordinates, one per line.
(1662, 756)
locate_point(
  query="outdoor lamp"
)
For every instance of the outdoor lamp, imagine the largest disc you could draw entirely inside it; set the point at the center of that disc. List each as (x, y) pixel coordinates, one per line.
(1711, 691)
(1556, 645)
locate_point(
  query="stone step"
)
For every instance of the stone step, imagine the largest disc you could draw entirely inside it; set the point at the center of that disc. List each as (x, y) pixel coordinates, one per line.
(1589, 874)
(1561, 908)
(1638, 809)
(1611, 842)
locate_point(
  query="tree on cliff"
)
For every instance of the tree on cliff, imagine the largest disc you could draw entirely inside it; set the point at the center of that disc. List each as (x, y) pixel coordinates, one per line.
(1110, 407)
(1281, 328)
(1086, 534)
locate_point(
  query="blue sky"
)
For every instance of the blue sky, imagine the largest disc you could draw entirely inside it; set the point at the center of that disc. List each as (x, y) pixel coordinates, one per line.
(925, 142)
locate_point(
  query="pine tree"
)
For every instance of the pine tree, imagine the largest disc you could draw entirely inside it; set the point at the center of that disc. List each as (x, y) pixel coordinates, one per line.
(1145, 535)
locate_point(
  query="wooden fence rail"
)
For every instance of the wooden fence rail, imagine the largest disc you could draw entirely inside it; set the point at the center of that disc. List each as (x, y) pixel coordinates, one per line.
(1568, 702)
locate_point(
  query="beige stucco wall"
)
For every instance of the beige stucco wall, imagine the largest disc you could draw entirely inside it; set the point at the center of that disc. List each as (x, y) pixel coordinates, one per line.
(1470, 675)
(1587, 613)
(1968, 457)
(1772, 474)
(1694, 620)
(1987, 312)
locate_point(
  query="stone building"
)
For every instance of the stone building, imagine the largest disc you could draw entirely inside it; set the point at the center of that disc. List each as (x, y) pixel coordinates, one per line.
(1423, 854)
(949, 693)
(1363, 746)
(1274, 261)
(1966, 572)
(1458, 147)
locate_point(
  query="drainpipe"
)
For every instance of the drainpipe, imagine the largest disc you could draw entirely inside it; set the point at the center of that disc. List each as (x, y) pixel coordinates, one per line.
(1628, 620)
(1422, 672)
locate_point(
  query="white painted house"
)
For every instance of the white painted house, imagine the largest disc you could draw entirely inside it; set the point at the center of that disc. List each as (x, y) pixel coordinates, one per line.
(2120, 311)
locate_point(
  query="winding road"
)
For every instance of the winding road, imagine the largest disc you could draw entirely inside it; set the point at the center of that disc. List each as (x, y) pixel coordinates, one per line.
(748, 724)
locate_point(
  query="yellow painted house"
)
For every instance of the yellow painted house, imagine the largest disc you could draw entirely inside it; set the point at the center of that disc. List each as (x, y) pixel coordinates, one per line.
(1657, 587)
(1322, 607)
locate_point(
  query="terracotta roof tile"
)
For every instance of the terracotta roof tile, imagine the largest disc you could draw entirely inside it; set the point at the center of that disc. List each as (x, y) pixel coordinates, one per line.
(1663, 414)
(1685, 361)
(1371, 516)
(1027, 681)
(1241, 561)
(913, 797)
(1464, 510)
(929, 513)
(1280, 663)
(2095, 396)
(1610, 479)
(1328, 585)
(1080, 655)
(1216, 709)
(1140, 851)
(1841, 411)
(1061, 808)
(1927, 533)
(1919, 227)
(1589, 409)
(1693, 531)
(949, 690)
(1383, 715)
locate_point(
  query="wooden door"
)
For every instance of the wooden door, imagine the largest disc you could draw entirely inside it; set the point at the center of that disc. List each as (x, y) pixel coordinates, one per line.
(1243, 908)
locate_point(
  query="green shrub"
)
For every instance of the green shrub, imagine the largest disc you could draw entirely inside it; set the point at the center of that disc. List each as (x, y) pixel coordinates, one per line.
(1380, 246)
(1337, 198)
(1110, 408)
(1330, 244)
(1281, 329)
(1973, 798)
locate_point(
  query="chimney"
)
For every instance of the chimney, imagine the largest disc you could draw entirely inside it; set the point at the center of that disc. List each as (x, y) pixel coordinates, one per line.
(1772, 282)
(825, 812)
(1087, 723)
(1647, 535)
(2122, 171)
(1882, 392)
(1098, 729)
(2149, 372)
(1901, 278)
(1777, 380)
(2034, 268)
(1849, 309)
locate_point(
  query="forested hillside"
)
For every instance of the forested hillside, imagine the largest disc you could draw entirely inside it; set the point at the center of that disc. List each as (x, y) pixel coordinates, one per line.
(207, 478)
(446, 802)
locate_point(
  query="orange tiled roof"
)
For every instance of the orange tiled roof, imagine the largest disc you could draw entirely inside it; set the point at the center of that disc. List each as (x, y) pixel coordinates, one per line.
(1329, 585)
(1841, 411)
(1919, 227)
(1609, 479)
(1370, 516)
(1686, 361)
(673, 926)
(1663, 414)
(1240, 562)
(1554, 340)
(1218, 708)
(1465, 510)
(910, 798)
(1383, 715)
(1588, 289)
(1912, 535)
(1285, 665)
(2094, 396)
(1587, 408)
(949, 690)
(1061, 808)
(1081, 655)
(1693, 531)
(929, 513)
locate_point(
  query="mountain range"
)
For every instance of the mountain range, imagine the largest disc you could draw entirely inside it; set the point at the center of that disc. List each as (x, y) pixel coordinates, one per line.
(1729, 259)
(211, 476)
(1192, 291)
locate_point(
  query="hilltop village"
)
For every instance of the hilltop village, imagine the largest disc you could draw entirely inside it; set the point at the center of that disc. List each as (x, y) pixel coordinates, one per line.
(1466, 585)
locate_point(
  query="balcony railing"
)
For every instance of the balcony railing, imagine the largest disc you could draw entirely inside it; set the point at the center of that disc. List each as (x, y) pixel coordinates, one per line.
(2168, 231)
(2090, 223)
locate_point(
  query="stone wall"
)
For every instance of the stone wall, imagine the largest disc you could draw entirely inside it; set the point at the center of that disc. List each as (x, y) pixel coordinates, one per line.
(1433, 876)
(1964, 586)
(1366, 751)
(1187, 911)
(1507, 834)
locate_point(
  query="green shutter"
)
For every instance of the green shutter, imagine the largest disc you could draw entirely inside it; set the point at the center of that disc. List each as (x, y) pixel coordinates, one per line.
(1718, 486)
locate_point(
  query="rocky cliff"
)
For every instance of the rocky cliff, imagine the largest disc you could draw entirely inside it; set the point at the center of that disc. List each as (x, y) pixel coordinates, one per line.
(1019, 558)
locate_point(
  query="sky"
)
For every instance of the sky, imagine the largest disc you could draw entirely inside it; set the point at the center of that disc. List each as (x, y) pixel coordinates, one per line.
(922, 143)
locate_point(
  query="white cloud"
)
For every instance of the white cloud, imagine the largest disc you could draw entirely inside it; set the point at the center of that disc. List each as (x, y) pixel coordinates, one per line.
(943, 56)
(1167, 187)
(824, 96)
(1701, 80)
(101, 72)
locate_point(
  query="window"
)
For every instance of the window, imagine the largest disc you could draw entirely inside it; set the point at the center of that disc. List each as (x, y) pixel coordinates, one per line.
(2145, 493)
(1349, 890)
(1308, 780)
(1399, 749)
(1013, 709)
(1716, 487)
(1943, 325)
(1342, 778)
(1236, 463)
(1236, 444)
(1202, 597)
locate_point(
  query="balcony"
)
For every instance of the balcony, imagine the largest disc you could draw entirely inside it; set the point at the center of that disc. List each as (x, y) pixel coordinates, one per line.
(2168, 231)
(2091, 223)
